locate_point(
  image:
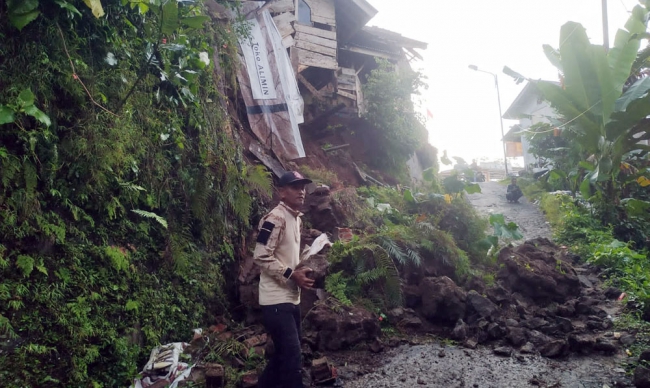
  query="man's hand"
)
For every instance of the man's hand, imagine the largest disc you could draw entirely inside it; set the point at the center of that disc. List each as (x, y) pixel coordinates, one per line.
(300, 277)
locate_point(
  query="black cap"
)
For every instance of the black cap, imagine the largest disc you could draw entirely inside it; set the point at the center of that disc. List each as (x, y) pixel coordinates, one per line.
(293, 177)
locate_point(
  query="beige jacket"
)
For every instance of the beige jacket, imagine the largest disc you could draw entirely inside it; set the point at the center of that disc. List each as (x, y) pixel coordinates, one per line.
(277, 252)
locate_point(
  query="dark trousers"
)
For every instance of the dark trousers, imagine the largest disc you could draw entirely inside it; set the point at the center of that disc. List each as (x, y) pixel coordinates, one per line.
(282, 322)
(514, 195)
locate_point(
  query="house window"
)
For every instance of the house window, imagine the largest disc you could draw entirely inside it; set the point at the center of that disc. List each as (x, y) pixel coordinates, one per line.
(304, 13)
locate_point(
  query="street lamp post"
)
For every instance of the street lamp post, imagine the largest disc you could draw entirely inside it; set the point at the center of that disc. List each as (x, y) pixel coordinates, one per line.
(496, 83)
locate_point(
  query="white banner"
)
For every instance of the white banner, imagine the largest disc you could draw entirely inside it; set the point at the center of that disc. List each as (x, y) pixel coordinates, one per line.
(257, 63)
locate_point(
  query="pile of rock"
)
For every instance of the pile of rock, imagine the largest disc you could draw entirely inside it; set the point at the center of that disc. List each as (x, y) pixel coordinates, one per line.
(539, 303)
(642, 372)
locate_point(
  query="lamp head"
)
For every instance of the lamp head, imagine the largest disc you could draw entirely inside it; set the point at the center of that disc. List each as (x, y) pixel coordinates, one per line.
(473, 67)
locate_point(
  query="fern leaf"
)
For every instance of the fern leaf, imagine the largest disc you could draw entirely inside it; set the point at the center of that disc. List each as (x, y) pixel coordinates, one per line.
(155, 216)
(414, 256)
(259, 179)
(393, 283)
(393, 249)
(26, 264)
(336, 285)
(132, 187)
(371, 276)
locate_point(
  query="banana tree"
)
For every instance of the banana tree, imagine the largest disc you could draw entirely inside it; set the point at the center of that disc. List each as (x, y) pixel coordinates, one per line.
(606, 116)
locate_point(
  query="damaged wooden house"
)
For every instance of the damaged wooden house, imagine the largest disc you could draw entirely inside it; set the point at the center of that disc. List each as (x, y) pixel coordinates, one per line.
(304, 68)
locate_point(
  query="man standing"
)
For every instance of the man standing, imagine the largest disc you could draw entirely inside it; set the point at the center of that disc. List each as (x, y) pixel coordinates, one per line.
(278, 254)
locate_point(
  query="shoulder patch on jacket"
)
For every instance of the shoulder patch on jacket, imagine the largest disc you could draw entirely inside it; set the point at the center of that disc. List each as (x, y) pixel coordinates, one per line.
(265, 232)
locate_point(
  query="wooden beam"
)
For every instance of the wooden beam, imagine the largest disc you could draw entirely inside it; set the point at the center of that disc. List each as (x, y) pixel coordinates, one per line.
(309, 87)
(322, 11)
(288, 41)
(352, 88)
(347, 95)
(281, 6)
(293, 56)
(321, 20)
(269, 161)
(315, 31)
(259, 10)
(361, 105)
(365, 177)
(283, 22)
(347, 79)
(316, 48)
(415, 53)
(338, 147)
(315, 39)
(371, 53)
(308, 58)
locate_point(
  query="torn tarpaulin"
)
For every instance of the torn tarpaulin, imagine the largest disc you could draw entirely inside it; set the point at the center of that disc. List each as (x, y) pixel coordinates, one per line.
(164, 367)
(270, 90)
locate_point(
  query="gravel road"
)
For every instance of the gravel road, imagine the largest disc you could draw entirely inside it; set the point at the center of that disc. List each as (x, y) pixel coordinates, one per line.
(436, 365)
(433, 365)
(492, 200)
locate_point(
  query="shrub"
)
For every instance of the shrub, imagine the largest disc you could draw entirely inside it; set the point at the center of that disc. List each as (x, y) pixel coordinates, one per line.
(396, 127)
(532, 189)
(575, 225)
(627, 268)
(354, 211)
(320, 176)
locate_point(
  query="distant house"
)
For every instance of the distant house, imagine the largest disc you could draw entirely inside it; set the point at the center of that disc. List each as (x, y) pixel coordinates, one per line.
(329, 51)
(332, 51)
(529, 108)
(331, 48)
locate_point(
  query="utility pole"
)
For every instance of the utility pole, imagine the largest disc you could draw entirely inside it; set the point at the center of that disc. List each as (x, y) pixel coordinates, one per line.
(496, 83)
(503, 140)
(605, 26)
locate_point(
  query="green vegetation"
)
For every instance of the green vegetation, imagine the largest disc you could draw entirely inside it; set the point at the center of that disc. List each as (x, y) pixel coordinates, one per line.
(320, 176)
(595, 148)
(595, 151)
(398, 129)
(503, 231)
(448, 235)
(122, 196)
(625, 267)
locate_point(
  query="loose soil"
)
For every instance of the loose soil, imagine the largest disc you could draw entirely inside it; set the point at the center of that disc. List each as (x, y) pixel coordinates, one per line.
(434, 364)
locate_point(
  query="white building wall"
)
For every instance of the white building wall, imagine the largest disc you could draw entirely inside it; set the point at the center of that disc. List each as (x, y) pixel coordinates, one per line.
(539, 111)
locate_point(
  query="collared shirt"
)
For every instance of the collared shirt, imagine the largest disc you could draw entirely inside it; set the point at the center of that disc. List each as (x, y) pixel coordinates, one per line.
(278, 249)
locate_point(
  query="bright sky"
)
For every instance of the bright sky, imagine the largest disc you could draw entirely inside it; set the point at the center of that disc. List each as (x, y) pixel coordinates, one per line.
(488, 34)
